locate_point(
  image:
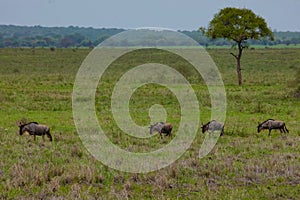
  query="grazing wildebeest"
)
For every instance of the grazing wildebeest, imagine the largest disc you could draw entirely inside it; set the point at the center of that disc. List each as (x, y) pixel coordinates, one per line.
(272, 124)
(33, 128)
(161, 127)
(212, 126)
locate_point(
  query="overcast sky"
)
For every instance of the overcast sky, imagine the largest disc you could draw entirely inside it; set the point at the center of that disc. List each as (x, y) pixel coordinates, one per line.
(282, 15)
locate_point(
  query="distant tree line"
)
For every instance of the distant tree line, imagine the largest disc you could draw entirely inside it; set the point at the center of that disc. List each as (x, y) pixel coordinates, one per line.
(72, 36)
(62, 37)
(284, 38)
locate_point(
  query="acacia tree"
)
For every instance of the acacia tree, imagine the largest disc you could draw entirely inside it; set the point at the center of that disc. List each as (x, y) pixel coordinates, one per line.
(238, 25)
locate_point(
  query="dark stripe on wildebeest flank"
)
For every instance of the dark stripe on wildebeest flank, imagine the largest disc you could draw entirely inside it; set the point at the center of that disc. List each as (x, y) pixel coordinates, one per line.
(272, 124)
(212, 126)
(161, 127)
(33, 128)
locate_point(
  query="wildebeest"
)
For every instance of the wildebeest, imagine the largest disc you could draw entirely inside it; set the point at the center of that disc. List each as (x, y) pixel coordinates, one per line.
(212, 126)
(33, 128)
(161, 127)
(272, 124)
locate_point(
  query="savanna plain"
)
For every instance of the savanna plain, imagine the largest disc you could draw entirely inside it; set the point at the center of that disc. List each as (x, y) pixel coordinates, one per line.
(37, 85)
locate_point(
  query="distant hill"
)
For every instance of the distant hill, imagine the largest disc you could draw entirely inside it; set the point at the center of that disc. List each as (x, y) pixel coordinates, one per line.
(73, 36)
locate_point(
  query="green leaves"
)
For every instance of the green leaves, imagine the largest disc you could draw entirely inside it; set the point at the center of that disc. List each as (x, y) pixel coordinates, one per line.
(238, 25)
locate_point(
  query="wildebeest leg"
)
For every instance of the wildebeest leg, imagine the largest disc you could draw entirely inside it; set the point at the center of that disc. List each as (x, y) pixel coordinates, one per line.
(34, 136)
(284, 131)
(43, 136)
(281, 130)
(270, 131)
(286, 128)
(169, 134)
(222, 132)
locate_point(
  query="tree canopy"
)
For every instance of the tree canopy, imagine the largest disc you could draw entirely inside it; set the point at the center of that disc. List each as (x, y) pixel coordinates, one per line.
(238, 25)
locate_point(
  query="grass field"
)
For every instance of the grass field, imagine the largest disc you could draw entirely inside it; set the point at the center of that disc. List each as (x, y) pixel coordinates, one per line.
(37, 84)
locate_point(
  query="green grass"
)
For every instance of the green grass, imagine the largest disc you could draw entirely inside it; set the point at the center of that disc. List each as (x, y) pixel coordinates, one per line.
(37, 84)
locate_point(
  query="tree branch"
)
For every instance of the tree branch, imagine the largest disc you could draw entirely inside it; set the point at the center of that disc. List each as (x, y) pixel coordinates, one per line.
(234, 55)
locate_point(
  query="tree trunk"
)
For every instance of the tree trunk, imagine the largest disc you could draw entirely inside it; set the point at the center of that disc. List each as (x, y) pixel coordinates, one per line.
(238, 63)
(238, 66)
(239, 71)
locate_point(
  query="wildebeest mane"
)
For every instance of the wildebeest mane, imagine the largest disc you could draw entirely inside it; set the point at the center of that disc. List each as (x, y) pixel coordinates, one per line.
(266, 121)
(22, 125)
(208, 123)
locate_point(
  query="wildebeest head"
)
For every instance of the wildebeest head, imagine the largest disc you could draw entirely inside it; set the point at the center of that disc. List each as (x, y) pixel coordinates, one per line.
(20, 124)
(204, 127)
(167, 128)
(259, 127)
